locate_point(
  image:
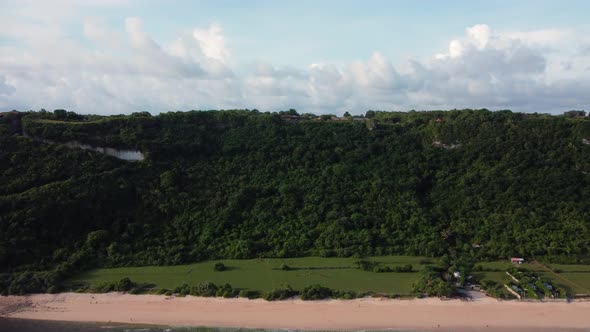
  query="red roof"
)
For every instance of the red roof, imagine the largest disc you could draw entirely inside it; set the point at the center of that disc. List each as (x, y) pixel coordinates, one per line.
(438, 119)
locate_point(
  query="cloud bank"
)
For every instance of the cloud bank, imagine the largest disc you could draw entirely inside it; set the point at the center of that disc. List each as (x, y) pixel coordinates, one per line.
(109, 71)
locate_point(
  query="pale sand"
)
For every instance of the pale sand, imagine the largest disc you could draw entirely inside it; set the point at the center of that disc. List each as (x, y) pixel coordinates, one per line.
(418, 314)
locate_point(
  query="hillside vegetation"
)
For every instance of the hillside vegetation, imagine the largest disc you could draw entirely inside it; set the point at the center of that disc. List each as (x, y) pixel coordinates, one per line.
(243, 184)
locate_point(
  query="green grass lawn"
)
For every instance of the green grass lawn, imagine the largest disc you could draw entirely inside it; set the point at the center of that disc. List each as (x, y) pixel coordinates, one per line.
(575, 278)
(570, 267)
(503, 265)
(495, 265)
(265, 274)
(575, 282)
(578, 282)
(499, 277)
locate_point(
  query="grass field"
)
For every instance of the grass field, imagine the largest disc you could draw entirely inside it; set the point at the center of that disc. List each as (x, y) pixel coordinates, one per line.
(570, 268)
(265, 274)
(335, 273)
(579, 283)
(575, 278)
(499, 277)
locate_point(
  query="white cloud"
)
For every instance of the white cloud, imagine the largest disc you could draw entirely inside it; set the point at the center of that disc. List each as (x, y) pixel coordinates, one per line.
(544, 37)
(480, 33)
(124, 70)
(212, 43)
(139, 39)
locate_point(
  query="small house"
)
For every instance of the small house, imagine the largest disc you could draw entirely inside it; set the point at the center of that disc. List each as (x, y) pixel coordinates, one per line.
(517, 260)
(438, 120)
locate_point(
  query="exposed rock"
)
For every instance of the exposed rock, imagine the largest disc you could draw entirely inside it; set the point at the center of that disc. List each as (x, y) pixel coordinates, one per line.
(439, 144)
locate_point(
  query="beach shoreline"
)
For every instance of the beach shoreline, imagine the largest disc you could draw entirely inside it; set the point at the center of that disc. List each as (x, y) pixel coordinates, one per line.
(359, 314)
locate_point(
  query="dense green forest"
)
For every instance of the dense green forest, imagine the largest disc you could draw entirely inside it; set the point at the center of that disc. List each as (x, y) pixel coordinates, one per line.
(246, 184)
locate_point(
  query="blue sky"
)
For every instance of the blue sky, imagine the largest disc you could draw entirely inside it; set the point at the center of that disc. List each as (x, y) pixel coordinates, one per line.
(108, 56)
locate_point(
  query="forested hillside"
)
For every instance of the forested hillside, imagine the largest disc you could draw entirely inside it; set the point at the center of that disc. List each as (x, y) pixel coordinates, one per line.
(244, 184)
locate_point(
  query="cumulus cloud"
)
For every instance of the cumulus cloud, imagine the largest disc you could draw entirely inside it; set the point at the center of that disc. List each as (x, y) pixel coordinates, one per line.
(125, 70)
(480, 33)
(212, 42)
(544, 37)
(96, 31)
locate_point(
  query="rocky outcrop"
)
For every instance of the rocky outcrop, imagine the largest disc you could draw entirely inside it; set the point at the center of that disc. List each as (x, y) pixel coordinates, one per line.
(123, 154)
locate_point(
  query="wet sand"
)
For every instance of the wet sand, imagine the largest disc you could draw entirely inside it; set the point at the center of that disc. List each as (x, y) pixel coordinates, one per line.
(361, 314)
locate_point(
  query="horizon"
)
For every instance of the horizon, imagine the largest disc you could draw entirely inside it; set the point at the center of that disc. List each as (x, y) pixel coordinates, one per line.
(301, 112)
(117, 57)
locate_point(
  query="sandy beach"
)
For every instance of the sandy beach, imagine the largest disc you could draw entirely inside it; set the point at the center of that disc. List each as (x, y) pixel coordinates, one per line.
(370, 313)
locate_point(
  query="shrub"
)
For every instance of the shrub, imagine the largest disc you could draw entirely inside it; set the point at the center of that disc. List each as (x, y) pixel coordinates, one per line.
(250, 294)
(366, 265)
(431, 284)
(398, 269)
(82, 289)
(104, 287)
(226, 291)
(135, 290)
(219, 267)
(316, 292)
(285, 267)
(345, 295)
(207, 289)
(182, 290)
(162, 291)
(405, 268)
(125, 285)
(280, 293)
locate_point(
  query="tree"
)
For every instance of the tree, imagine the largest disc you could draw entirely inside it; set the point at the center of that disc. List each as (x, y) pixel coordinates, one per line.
(316, 292)
(168, 179)
(60, 114)
(141, 114)
(206, 289)
(125, 285)
(97, 238)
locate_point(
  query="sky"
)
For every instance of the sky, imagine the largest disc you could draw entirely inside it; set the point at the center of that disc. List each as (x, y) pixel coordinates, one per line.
(322, 56)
